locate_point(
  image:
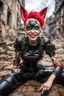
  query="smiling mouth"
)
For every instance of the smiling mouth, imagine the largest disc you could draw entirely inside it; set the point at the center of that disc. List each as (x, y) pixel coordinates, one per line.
(32, 36)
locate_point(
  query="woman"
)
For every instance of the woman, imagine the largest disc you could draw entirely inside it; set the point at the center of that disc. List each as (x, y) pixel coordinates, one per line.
(31, 47)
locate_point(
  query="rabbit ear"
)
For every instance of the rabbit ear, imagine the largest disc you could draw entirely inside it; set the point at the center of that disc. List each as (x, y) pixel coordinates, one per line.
(23, 12)
(43, 12)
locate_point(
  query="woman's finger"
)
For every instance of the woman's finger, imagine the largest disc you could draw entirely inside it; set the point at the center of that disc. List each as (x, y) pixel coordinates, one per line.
(41, 88)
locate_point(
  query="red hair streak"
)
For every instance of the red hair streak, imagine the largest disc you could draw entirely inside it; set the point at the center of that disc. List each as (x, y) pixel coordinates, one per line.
(40, 16)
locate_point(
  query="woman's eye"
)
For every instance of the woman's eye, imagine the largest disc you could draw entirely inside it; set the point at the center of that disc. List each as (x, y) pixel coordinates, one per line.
(28, 28)
(36, 27)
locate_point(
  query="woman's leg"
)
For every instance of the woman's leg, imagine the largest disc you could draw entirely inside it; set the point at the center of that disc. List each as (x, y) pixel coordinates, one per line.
(10, 82)
(42, 73)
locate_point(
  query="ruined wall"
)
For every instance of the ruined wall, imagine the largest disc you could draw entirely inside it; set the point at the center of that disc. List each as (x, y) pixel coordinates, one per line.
(7, 37)
(9, 23)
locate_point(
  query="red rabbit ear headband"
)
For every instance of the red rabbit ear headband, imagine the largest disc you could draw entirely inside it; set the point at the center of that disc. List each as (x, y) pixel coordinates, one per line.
(40, 16)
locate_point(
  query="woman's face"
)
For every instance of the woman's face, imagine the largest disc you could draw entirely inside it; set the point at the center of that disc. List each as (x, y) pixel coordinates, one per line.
(33, 29)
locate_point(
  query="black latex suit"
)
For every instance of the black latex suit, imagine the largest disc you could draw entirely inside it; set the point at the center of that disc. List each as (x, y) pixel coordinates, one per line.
(32, 54)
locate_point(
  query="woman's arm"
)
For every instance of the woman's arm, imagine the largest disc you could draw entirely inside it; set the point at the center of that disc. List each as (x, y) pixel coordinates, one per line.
(17, 46)
(57, 63)
(50, 50)
(16, 61)
(57, 69)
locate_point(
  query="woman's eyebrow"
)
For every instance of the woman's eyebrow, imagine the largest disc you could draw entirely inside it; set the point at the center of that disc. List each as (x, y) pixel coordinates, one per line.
(37, 24)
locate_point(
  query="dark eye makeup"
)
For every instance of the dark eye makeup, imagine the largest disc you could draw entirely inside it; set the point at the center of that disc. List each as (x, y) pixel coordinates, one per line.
(36, 27)
(28, 27)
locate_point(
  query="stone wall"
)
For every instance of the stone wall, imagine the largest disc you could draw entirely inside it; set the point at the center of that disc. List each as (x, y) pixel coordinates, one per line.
(7, 37)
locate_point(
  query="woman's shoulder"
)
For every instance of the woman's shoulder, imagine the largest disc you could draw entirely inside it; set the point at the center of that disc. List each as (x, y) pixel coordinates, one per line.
(44, 40)
(20, 38)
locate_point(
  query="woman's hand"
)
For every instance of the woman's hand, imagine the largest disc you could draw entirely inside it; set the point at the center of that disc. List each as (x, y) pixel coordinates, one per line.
(46, 86)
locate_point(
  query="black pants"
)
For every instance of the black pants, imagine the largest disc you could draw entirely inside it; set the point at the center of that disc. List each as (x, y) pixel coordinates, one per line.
(32, 73)
(11, 82)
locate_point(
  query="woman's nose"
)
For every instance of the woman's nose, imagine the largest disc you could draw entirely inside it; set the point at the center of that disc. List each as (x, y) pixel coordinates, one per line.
(32, 30)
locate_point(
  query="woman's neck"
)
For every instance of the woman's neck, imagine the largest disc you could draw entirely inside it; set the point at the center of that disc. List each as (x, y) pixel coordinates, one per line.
(33, 42)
